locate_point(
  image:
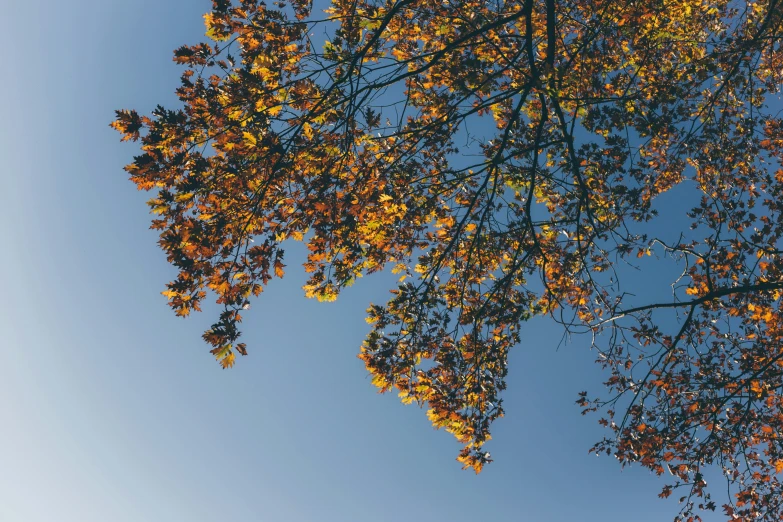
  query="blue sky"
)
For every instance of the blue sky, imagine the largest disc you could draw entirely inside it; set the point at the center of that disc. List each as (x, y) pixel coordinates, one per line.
(113, 409)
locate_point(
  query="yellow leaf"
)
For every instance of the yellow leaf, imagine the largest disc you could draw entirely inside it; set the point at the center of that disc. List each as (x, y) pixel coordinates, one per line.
(399, 267)
(250, 140)
(228, 360)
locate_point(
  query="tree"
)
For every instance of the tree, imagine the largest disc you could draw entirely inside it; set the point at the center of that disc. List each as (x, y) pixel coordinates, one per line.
(505, 158)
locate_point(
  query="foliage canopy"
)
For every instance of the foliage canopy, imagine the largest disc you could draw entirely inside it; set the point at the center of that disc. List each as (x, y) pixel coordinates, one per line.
(505, 158)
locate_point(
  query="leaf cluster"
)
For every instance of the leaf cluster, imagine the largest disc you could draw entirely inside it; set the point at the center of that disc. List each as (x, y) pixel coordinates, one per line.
(504, 158)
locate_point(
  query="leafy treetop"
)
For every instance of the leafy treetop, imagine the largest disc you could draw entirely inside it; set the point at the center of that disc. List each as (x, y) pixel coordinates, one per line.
(504, 158)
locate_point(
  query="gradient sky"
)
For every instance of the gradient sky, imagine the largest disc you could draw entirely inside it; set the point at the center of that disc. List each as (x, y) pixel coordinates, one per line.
(113, 410)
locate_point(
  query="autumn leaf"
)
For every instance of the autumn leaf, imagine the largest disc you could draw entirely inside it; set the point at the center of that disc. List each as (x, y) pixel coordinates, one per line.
(279, 272)
(228, 360)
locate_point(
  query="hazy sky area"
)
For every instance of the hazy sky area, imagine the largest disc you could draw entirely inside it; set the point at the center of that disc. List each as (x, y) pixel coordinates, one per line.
(112, 408)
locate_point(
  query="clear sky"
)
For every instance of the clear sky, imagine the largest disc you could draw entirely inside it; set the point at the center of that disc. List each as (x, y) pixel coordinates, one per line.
(112, 408)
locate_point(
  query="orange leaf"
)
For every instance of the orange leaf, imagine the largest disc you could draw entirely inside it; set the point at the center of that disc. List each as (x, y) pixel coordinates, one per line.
(279, 272)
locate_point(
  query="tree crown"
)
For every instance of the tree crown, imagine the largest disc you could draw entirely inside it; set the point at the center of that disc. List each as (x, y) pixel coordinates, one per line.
(504, 158)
